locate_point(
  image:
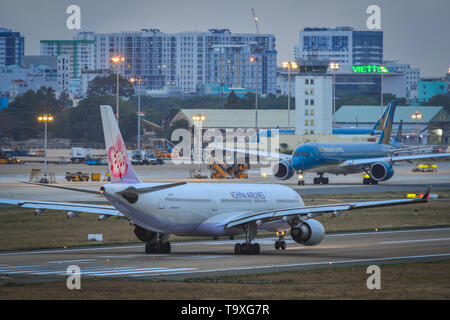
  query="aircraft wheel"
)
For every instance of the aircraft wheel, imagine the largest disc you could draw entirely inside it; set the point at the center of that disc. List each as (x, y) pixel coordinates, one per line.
(316, 181)
(325, 180)
(149, 247)
(283, 245)
(166, 247)
(256, 248)
(374, 181)
(366, 181)
(277, 245)
(237, 248)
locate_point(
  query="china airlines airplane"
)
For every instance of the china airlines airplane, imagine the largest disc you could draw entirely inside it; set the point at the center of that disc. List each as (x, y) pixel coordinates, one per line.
(200, 209)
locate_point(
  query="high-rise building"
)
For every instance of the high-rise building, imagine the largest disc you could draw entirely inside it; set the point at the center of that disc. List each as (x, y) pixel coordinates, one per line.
(12, 47)
(81, 53)
(189, 60)
(344, 45)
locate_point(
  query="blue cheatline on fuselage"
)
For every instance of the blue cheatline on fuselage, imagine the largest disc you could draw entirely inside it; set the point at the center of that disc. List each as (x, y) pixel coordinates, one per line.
(354, 131)
(314, 155)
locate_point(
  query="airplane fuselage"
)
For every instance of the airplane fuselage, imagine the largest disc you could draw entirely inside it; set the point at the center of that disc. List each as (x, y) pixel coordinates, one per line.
(327, 157)
(202, 208)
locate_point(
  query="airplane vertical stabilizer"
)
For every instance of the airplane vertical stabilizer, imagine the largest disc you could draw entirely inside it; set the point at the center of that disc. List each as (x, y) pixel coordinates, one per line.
(385, 137)
(120, 168)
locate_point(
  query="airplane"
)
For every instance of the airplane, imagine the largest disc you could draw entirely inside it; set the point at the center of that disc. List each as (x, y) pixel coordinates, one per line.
(375, 159)
(379, 125)
(157, 210)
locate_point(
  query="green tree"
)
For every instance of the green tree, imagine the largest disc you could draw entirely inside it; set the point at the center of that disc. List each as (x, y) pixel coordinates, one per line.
(108, 85)
(233, 101)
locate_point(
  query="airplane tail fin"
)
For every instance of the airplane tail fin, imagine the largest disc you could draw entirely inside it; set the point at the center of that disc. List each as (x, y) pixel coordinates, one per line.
(386, 132)
(398, 137)
(379, 125)
(120, 168)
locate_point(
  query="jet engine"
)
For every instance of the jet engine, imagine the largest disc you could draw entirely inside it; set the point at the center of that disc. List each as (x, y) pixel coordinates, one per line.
(283, 170)
(381, 171)
(310, 233)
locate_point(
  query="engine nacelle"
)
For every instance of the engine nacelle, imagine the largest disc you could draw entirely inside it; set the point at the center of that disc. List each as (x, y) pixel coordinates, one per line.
(381, 171)
(283, 170)
(310, 233)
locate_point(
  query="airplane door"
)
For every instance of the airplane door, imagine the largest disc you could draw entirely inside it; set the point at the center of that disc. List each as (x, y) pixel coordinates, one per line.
(214, 204)
(161, 202)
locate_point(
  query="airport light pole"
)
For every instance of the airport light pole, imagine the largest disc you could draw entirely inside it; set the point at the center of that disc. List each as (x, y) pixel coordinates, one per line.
(117, 60)
(198, 120)
(289, 65)
(255, 60)
(138, 80)
(334, 66)
(417, 116)
(45, 118)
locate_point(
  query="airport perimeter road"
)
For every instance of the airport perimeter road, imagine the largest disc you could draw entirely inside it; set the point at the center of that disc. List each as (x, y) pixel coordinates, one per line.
(216, 257)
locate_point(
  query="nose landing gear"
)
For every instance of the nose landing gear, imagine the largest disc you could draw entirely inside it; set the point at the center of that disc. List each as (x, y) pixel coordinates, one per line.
(280, 243)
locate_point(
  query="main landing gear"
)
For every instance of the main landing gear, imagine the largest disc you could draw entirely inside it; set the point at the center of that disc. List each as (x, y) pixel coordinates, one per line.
(157, 247)
(320, 179)
(280, 243)
(159, 243)
(248, 247)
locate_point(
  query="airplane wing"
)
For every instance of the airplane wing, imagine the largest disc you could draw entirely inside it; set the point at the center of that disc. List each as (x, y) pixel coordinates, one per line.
(309, 212)
(280, 156)
(365, 162)
(64, 206)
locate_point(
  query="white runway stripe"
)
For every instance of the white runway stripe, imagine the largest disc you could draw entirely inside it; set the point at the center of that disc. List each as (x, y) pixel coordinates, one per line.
(73, 261)
(412, 241)
(140, 271)
(88, 271)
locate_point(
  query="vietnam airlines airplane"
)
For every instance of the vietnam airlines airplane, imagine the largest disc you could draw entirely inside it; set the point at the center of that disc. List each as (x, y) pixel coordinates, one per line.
(199, 209)
(379, 125)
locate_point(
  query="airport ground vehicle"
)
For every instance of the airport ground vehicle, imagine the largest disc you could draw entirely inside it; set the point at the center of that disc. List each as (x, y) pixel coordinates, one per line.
(200, 209)
(96, 161)
(425, 167)
(79, 155)
(225, 171)
(77, 176)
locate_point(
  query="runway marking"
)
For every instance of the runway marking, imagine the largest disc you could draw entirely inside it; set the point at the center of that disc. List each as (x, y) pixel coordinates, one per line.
(200, 257)
(412, 241)
(88, 271)
(73, 261)
(312, 264)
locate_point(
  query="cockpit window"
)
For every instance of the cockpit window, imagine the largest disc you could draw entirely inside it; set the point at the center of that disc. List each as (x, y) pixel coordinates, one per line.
(303, 154)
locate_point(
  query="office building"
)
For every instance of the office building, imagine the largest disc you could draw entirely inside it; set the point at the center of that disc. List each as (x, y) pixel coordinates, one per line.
(313, 104)
(429, 87)
(12, 47)
(344, 45)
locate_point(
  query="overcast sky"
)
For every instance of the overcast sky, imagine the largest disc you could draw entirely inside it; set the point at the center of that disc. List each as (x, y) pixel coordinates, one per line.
(415, 31)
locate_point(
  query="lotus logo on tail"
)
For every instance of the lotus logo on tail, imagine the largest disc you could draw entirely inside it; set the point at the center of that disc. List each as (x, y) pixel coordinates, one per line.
(118, 158)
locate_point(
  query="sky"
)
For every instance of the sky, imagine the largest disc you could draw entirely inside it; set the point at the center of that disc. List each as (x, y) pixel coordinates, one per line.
(415, 31)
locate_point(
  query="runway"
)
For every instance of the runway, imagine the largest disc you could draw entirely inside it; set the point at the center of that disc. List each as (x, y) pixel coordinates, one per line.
(215, 257)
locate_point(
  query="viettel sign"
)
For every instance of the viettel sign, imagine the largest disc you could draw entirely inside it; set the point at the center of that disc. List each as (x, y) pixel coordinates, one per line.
(370, 69)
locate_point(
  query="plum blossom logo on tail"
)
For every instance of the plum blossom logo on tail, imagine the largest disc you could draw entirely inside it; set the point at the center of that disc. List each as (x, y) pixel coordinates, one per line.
(118, 158)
